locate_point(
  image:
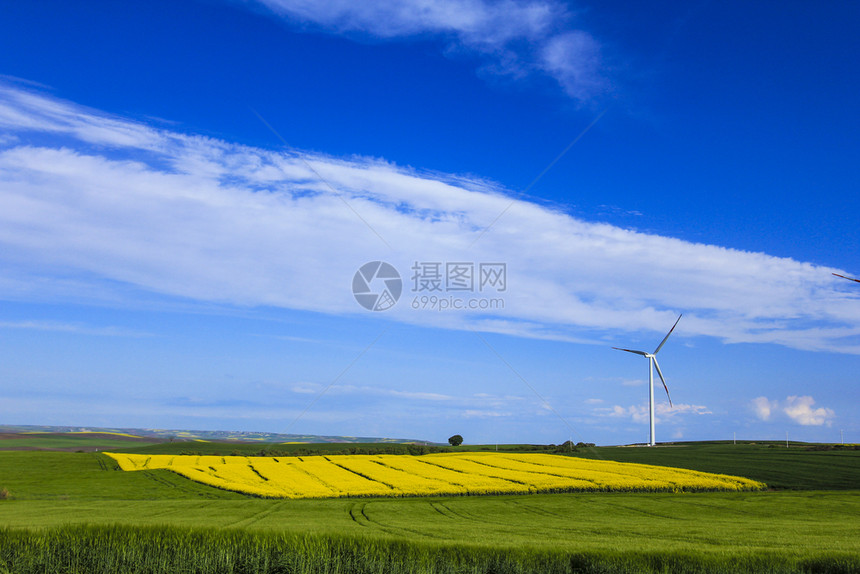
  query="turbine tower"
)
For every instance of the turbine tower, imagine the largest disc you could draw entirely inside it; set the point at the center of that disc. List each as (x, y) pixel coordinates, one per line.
(652, 362)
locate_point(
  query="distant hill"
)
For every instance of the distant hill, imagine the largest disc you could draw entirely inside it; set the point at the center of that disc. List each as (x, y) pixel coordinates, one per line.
(186, 435)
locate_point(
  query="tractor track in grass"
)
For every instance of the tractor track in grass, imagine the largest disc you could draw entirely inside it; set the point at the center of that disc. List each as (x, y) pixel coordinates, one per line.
(724, 509)
(269, 509)
(459, 514)
(637, 510)
(101, 460)
(446, 510)
(532, 509)
(358, 512)
(514, 512)
(166, 512)
(178, 482)
(438, 508)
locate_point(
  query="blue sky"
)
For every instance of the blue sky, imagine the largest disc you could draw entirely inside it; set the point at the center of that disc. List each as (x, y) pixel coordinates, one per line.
(188, 189)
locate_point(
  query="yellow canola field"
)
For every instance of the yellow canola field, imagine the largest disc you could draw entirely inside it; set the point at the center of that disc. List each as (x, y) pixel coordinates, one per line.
(427, 475)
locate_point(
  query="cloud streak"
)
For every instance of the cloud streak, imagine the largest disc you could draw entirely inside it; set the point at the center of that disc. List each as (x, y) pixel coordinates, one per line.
(71, 328)
(662, 412)
(514, 38)
(103, 207)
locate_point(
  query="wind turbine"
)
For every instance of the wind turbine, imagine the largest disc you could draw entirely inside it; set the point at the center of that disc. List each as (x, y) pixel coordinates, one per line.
(652, 362)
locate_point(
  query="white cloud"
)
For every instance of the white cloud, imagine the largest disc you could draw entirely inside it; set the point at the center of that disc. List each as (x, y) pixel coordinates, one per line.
(798, 409)
(371, 391)
(421, 396)
(114, 210)
(476, 22)
(380, 391)
(682, 409)
(573, 58)
(476, 413)
(762, 408)
(662, 412)
(514, 37)
(306, 388)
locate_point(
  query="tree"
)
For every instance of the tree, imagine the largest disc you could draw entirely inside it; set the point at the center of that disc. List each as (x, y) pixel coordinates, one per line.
(455, 440)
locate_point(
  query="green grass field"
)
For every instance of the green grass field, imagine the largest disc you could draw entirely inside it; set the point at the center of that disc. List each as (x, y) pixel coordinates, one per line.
(70, 441)
(68, 511)
(798, 467)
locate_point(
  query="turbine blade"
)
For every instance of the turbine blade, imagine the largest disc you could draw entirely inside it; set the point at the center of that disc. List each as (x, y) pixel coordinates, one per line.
(659, 372)
(643, 353)
(849, 278)
(660, 346)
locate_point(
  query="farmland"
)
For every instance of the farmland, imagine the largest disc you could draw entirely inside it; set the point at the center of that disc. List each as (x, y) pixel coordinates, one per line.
(69, 441)
(428, 475)
(802, 466)
(64, 507)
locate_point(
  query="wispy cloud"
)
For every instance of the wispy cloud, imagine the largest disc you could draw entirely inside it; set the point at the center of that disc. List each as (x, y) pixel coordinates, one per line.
(515, 38)
(72, 328)
(662, 412)
(573, 58)
(93, 204)
(798, 409)
(351, 400)
(483, 414)
(369, 391)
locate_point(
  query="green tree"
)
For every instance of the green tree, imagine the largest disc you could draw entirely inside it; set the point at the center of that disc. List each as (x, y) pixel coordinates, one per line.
(455, 440)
